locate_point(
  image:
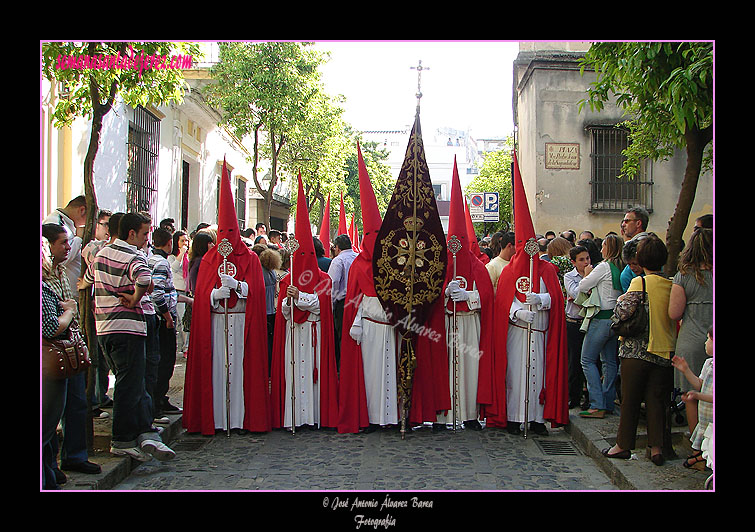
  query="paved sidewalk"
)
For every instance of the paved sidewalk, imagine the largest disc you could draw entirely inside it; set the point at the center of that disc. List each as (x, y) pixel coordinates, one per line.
(590, 435)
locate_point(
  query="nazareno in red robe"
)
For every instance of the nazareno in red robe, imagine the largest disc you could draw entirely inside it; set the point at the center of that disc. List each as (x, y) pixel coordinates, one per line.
(198, 393)
(326, 372)
(555, 395)
(352, 404)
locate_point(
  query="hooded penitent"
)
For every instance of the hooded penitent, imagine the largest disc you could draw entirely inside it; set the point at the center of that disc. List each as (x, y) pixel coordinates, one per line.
(352, 399)
(308, 278)
(409, 266)
(512, 283)
(198, 391)
(472, 275)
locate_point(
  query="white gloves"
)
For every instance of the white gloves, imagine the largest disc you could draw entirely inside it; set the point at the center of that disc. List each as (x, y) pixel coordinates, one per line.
(228, 281)
(525, 315)
(223, 292)
(456, 293)
(533, 299)
(356, 331)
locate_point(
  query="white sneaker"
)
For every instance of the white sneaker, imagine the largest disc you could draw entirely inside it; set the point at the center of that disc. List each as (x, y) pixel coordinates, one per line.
(158, 450)
(133, 452)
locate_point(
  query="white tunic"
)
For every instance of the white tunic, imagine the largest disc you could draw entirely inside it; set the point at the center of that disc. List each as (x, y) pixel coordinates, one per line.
(307, 357)
(236, 322)
(378, 343)
(468, 360)
(516, 372)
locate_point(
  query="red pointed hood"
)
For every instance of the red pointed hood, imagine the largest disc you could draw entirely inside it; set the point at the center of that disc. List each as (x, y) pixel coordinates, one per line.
(228, 223)
(457, 226)
(325, 229)
(343, 229)
(304, 261)
(523, 231)
(354, 235)
(371, 220)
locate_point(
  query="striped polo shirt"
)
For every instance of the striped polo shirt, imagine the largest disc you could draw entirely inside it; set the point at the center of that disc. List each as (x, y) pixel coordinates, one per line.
(116, 269)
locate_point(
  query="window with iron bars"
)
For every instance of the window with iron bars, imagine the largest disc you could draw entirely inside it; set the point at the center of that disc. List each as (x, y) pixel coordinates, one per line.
(609, 191)
(143, 150)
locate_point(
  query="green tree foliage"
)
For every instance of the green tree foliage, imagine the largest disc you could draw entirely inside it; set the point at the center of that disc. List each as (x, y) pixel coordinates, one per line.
(379, 172)
(271, 92)
(495, 176)
(666, 90)
(90, 76)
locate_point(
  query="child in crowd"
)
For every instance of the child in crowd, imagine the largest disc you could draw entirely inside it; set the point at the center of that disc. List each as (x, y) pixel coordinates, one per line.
(698, 402)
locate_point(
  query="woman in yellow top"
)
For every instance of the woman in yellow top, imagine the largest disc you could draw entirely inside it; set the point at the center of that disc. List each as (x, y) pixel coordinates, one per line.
(646, 370)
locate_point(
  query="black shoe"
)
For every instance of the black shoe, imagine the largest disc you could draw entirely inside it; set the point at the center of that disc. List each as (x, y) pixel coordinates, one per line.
(82, 467)
(439, 427)
(372, 427)
(171, 409)
(472, 424)
(538, 428)
(512, 427)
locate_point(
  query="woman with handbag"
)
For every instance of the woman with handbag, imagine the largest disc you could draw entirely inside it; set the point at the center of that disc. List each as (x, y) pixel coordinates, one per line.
(646, 370)
(57, 316)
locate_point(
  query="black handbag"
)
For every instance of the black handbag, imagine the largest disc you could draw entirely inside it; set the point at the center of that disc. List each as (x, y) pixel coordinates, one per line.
(635, 324)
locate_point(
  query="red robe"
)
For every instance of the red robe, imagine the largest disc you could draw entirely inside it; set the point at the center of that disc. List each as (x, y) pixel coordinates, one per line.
(326, 373)
(352, 397)
(480, 278)
(198, 392)
(556, 393)
(431, 391)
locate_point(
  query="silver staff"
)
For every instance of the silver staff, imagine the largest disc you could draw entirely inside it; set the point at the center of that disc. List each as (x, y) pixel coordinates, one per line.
(530, 248)
(225, 248)
(454, 246)
(292, 245)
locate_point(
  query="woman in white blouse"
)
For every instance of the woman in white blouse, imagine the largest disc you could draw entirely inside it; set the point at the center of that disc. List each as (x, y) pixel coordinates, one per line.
(600, 341)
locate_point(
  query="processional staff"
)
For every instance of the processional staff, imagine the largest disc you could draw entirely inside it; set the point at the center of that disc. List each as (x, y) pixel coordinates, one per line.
(292, 245)
(530, 248)
(454, 246)
(225, 248)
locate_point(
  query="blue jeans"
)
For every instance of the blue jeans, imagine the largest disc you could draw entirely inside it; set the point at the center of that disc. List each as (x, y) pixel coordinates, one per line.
(600, 343)
(152, 350)
(132, 405)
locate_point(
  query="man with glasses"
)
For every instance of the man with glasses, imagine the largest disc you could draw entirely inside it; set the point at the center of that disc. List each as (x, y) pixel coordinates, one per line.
(635, 222)
(633, 227)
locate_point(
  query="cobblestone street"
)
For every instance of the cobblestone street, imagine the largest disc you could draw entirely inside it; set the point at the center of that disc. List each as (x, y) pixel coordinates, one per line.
(325, 460)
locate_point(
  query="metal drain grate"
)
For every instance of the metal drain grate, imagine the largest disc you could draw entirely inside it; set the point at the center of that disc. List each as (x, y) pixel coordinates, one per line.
(557, 448)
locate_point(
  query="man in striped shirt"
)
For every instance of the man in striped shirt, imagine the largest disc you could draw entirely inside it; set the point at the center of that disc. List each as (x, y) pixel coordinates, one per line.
(165, 298)
(121, 277)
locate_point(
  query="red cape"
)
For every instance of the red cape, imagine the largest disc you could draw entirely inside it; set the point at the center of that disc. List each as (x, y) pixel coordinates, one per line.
(326, 372)
(352, 407)
(431, 391)
(198, 393)
(556, 393)
(430, 387)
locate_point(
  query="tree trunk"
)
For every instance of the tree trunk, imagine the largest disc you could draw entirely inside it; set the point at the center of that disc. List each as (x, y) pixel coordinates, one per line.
(99, 110)
(696, 141)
